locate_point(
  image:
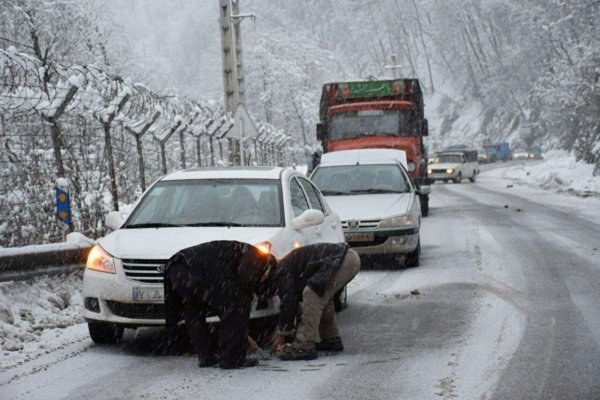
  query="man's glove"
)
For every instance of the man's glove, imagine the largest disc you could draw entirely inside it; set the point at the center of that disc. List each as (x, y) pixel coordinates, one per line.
(279, 340)
(252, 346)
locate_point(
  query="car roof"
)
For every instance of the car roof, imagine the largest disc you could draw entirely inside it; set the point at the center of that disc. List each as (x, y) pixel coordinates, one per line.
(364, 156)
(267, 172)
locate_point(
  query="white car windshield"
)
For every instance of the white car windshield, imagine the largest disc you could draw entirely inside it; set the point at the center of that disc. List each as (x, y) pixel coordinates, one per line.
(448, 158)
(360, 179)
(210, 202)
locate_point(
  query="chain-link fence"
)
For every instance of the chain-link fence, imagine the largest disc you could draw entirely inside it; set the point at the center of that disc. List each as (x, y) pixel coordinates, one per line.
(108, 137)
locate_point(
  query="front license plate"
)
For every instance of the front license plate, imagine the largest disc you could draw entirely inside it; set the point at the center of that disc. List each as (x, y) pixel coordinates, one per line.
(360, 237)
(144, 294)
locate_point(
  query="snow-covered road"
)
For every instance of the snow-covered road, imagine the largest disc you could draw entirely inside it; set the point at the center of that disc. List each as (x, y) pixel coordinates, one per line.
(505, 305)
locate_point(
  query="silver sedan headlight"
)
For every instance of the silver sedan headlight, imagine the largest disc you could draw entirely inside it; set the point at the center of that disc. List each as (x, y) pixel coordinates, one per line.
(397, 222)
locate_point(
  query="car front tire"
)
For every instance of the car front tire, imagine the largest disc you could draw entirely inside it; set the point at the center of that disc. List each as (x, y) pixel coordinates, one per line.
(412, 258)
(340, 300)
(105, 333)
(458, 178)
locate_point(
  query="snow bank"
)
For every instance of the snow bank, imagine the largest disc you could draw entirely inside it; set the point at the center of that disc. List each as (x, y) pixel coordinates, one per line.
(30, 309)
(559, 171)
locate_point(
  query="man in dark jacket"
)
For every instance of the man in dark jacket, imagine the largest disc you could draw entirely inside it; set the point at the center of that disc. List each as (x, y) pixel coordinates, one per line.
(217, 278)
(312, 275)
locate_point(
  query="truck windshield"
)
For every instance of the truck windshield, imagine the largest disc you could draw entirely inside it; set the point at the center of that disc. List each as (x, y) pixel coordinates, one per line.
(352, 124)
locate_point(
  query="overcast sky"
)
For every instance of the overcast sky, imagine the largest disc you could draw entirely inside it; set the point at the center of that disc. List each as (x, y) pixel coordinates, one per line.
(179, 40)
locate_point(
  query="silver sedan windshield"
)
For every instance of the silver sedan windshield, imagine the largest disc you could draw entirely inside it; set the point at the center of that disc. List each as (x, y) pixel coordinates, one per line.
(360, 179)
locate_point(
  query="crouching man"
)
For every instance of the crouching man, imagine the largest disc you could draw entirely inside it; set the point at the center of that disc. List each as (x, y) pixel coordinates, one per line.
(312, 275)
(217, 278)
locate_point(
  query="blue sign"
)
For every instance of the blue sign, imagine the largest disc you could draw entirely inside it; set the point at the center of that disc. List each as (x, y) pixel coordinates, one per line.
(63, 206)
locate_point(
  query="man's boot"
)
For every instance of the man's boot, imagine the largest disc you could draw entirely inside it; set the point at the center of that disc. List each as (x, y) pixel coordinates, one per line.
(330, 344)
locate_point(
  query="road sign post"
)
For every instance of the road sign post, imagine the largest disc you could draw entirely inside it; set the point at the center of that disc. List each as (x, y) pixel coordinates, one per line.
(243, 128)
(63, 204)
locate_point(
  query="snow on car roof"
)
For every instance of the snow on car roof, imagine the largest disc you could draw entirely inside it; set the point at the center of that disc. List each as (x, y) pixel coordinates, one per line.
(363, 156)
(227, 172)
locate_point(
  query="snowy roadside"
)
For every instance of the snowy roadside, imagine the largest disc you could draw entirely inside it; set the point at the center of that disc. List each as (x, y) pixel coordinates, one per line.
(42, 314)
(558, 172)
(37, 316)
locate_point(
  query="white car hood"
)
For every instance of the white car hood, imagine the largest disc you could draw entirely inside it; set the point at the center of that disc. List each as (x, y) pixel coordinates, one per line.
(444, 165)
(162, 243)
(369, 206)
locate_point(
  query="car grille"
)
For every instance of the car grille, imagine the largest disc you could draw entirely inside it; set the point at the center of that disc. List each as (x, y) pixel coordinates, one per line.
(365, 224)
(145, 271)
(137, 311)
(438, 171)
(376, 242)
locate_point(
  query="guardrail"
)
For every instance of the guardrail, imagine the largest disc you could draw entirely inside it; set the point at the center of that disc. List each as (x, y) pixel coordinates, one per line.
(22, 265)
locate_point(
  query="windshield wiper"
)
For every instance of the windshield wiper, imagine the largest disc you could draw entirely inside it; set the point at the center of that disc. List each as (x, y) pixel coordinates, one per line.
(334, 193)
(150, 225)
(228, 224)
(377, 191)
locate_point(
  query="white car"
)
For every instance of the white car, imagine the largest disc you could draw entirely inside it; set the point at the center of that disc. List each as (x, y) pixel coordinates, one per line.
(454, 166)
(273, 208)
(377, 201)
(520, 154)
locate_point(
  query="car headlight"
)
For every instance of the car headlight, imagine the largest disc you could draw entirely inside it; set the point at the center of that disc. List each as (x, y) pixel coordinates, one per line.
(429, 171)
(100, 260)
(450, 170)
(401, 221)
(264, 247)
(411, 166)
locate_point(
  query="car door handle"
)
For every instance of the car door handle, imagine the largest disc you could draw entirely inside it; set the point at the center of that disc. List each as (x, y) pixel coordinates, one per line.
(318, 230)
(334, 224)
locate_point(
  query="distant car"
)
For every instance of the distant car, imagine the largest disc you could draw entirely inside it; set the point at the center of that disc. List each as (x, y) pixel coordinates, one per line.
(520, 154)
(482, 157)
(535, 153)
(376, 199)
(275, 209)
(454, 166)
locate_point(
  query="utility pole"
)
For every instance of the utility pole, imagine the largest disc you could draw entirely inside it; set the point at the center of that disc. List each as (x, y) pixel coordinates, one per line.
(233, 67)
(231, 43)
(395, 67)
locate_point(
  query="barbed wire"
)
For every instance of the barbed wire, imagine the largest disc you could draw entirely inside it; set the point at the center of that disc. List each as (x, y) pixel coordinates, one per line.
(49, 111)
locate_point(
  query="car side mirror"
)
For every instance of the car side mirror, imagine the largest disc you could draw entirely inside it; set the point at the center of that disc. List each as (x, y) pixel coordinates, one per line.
(425, 128)
(114, 220)
(308, 218)
(320, 132)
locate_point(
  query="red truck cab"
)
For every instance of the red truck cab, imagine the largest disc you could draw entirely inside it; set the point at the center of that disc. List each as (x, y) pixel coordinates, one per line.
(377, 114)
